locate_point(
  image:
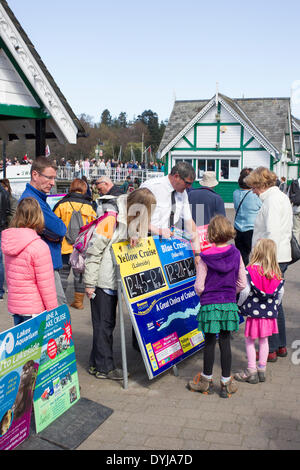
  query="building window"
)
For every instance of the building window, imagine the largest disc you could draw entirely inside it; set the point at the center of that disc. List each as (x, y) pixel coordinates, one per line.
(205, 165)
(229, 170)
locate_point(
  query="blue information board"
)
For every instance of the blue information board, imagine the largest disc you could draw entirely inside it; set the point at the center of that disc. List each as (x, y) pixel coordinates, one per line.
(158, 277)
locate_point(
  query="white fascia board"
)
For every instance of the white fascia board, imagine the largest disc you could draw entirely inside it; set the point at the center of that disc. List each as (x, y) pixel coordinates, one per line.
(35, 76)
(188, 127)
(253, 130)
(296, 125)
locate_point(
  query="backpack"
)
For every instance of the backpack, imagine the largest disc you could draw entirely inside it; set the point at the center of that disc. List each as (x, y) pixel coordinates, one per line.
(294, 193)
(78, 255)
(130, 188)
(75, 224)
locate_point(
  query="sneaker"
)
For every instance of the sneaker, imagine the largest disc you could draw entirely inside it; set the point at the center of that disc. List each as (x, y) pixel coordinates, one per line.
(116, 374)
(281, 352)
(1, 299)
(272, 357)
(100, 375)
(201, 384)
(92, 370)
(247, 376)
(228, 388)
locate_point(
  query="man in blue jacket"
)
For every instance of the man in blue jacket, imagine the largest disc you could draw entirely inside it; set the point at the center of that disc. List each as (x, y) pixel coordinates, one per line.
(205, 202)
(43, 174)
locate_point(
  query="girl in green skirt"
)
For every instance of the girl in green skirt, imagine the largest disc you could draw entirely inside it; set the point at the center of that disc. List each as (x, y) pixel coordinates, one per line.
(220, 276)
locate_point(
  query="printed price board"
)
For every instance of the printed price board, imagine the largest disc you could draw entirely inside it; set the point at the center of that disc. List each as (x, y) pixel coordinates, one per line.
(158, 277)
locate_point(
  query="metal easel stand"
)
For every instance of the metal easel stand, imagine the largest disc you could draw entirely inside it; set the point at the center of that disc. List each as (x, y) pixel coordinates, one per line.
(122, 331)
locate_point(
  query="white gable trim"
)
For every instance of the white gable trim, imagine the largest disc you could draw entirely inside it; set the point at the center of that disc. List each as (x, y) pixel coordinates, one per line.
(188, 127)
(35, 76)
(253, 130)
(296, 125)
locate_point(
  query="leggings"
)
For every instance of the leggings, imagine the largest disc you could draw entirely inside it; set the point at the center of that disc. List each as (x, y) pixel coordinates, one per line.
(251, 353)
(225, 350)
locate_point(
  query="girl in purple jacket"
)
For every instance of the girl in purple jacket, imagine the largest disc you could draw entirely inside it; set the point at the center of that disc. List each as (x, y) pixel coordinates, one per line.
(220, 276)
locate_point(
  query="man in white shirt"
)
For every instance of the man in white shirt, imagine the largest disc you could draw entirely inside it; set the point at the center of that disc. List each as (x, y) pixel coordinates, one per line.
(166, 214)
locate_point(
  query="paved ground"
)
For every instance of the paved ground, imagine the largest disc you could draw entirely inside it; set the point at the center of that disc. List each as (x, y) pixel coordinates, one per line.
(161, 414)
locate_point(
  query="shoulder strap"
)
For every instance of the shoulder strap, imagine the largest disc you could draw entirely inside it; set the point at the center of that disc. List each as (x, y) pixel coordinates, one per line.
(242, 202)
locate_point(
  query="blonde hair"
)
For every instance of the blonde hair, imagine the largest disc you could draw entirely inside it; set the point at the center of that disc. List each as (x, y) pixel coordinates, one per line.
(28, 215)
(220, 230)
(264, 253)
(140, 203)
(261, 178)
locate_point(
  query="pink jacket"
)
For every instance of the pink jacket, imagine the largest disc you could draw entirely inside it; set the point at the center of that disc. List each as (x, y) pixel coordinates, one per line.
(29, 272)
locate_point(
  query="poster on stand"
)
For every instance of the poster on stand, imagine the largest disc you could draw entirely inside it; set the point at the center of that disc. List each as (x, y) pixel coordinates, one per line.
(57, 385)
(20, 351)
(158, 277)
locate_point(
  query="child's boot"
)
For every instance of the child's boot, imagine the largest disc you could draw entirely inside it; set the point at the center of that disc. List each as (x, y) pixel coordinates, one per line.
(228, 388)
(201, 384)
(250, 376)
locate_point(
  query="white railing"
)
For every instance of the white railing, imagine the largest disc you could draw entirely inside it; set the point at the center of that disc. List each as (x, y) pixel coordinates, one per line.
(115, 174)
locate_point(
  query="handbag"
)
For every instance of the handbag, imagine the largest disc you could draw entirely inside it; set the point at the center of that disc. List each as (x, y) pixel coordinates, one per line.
(295, 249)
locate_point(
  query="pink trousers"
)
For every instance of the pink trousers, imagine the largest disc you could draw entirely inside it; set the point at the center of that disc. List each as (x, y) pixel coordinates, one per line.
(251, 353)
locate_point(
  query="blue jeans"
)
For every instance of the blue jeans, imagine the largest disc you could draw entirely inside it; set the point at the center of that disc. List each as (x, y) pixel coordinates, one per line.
(2, 291)
(279, 340)
(18, 319)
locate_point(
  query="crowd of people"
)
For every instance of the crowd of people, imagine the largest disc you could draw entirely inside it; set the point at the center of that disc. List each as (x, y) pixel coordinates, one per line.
(241, 278)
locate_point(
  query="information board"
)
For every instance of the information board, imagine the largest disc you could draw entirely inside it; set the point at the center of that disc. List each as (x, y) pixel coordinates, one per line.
(20, 351)
(158, 277)
(57, 385)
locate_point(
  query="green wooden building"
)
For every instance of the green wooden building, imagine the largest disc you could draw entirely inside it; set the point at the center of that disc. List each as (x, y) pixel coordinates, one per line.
(225, 135)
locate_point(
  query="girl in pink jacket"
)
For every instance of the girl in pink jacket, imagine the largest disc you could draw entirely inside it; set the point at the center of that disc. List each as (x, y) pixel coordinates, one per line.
(28, 264)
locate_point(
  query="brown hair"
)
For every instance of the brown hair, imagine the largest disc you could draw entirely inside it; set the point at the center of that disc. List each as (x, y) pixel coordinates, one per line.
(139, 205)
(41, 163)
(245, 172)
(6, 184)
(261, 178)
(264, 253)
(78, 186)
(220, 230)
(28, 215)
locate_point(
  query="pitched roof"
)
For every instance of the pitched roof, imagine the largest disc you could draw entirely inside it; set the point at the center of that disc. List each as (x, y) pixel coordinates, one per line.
(43, 69)
(266, 115)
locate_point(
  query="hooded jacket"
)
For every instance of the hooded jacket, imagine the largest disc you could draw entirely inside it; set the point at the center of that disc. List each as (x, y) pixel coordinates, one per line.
(100, 268)
(221, 278)
(29, 272)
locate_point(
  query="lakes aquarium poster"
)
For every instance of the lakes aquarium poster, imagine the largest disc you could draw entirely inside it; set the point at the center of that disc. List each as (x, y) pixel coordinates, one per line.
(20, 351)
(57, 384)
(158, 277)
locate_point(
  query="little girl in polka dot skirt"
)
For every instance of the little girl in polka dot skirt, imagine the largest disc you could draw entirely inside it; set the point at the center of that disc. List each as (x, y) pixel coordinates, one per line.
(259, 301)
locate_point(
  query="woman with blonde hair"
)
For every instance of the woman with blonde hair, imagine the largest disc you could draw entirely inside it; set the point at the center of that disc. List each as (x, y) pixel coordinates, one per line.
(28, 264)
(100, 277)
(260, 302)
(274, 221)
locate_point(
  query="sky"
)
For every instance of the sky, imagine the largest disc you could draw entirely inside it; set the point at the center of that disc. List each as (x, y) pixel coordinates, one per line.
(134, 55)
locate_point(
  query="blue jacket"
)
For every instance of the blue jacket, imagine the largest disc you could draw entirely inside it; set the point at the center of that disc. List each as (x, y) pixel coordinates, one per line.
(249, 208)
(55, 229)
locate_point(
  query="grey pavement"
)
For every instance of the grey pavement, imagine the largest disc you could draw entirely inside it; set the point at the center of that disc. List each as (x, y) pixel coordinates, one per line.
(161, 414)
